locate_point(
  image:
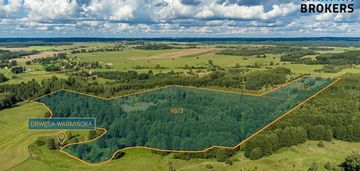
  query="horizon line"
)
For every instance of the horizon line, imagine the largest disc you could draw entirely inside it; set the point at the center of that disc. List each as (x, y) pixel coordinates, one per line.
(172, 37)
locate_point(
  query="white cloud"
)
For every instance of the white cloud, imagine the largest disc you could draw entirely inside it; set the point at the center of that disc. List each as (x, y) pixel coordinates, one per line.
(169, 18)
(122, 27)
(9, 9)
(51, 9)
(111, 9)
(279, 10)
(212, 9)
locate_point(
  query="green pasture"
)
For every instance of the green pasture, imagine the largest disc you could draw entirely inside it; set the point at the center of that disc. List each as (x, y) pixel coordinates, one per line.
(30, 75)
(122, 61)
(298, 157)
(15, 136)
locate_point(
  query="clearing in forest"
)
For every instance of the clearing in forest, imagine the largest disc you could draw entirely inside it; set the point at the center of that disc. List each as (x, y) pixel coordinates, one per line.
(177, 118)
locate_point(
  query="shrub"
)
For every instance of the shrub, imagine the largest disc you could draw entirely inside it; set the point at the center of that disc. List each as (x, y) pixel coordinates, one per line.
(51, 144)
(228, 161)
(351, 163)
(209, 166)
(256, 153)
(235, 160)
(18, 69)
(328, 166)
(161, 153)
(119, 155)
(320, 144)
(222, 155)
(313, 167)
(40, 142)
(3, 78)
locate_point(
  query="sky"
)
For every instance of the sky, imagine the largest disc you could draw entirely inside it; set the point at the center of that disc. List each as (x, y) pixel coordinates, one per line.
(172, 18)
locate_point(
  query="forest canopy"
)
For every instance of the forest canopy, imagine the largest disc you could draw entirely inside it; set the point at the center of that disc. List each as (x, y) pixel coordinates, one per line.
(335, 113)
(173, 118)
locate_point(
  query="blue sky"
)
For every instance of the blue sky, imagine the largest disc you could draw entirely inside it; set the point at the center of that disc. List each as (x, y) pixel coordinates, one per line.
(171, 18)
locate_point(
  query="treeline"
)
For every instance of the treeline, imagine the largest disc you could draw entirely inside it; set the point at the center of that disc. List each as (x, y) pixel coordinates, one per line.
(131, 80)
(258, 79)
(260, 51)
(31, 43)
(331, 68)
(316, 43)
(125, 76)
(154, 46)
(345, 58)
(321, 48)
(335, 113)
(296, 56)
(220, 154)
(254, 80)
(157, 66)
(6, 54)
(103, 49)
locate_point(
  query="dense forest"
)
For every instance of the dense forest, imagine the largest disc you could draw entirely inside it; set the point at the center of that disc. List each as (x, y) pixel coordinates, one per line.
(297, 56)
(255, 80)
(335, 113)
(149, 119)
(345, 58)
(259, 79)
(154, 46)
(263, 50)
(301, 89)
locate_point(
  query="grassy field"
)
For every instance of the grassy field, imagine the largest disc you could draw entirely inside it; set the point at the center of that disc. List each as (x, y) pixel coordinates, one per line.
(28, 76)
(299, 157)
(15, 136)
(124, 60)
(131, 59)
(295, 158)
